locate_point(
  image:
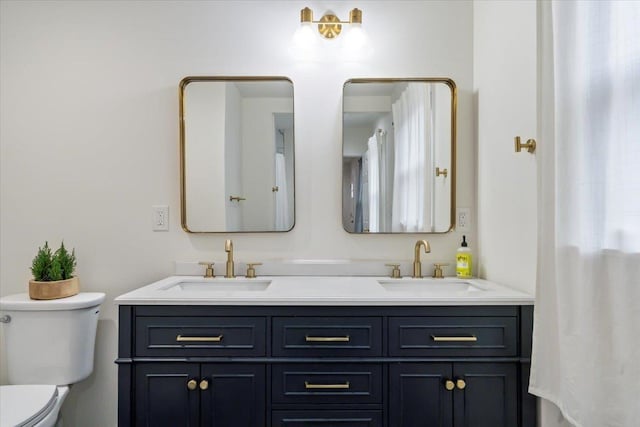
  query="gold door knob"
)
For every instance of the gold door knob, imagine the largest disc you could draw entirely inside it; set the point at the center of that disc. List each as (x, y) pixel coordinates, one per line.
(461, 384)
(204, 384)
(449, 385)
(192, 384)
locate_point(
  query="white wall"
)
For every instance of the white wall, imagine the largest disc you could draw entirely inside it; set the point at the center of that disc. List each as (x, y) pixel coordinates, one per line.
(89, 136)
(505, 94)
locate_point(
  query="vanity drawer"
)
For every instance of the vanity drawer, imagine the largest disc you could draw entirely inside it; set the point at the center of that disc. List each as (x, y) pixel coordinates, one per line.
(327, 383)
(326, 418)
(327, 336)
(200, 336)
(453, 336)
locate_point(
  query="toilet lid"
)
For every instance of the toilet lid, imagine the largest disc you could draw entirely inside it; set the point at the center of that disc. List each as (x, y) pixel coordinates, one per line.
(25, 405)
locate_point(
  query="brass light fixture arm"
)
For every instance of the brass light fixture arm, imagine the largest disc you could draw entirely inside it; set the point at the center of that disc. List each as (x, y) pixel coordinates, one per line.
(330, 26)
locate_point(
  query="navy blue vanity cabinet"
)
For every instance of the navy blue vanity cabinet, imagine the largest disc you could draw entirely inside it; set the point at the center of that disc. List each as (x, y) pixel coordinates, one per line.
(162, 396)
(191, 366)
(321, 366)
(453, 394)
(234, 396)
(476, 385)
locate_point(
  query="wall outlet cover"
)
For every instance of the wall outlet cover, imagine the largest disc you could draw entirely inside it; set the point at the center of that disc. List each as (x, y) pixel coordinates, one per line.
(160, 218)
(463, 219)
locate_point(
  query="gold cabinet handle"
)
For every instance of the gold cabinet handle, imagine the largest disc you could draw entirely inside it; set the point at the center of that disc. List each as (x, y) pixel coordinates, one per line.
(461, 384)
(192, 384)
(204, 384)
(449, 385)
(530, 145)
(309, 386)
(443, 172)
(308, 338)
(181, 338)
(471, 338)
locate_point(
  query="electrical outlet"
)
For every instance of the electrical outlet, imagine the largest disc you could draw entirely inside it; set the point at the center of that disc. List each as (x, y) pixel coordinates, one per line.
(160, 218)
(463, 219)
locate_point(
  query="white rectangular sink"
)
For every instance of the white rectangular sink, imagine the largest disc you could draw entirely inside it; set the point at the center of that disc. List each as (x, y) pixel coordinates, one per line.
(218, 285)
(428, 286)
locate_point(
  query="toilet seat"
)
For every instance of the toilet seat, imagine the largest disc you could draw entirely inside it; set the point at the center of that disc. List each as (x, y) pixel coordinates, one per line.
(26, 405)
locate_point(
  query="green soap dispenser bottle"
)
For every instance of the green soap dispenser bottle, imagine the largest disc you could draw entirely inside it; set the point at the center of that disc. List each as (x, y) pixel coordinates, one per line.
(463, 260)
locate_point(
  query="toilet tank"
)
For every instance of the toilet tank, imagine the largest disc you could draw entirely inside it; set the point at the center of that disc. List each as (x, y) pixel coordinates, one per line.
(50, 341)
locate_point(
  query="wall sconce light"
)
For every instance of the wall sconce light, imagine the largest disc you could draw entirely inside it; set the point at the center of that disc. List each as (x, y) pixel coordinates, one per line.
(330, 26)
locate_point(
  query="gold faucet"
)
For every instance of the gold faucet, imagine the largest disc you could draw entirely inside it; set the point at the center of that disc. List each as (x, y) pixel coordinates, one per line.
(417, 265)
(228, 248)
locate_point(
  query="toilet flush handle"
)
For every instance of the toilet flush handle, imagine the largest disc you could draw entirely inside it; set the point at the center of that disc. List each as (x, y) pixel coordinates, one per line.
(5, 319)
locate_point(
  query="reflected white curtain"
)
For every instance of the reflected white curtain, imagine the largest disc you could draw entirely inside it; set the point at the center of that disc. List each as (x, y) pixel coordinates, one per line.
(373, 155)
(377, 183)
(411, 192)
(283, 222)
(586, 353)
(364, 191)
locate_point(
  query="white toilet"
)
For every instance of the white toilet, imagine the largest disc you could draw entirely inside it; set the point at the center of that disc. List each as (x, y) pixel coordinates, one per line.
(49, 346)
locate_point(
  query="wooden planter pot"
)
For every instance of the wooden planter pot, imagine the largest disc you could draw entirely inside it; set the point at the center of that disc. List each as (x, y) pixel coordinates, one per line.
(54, 290)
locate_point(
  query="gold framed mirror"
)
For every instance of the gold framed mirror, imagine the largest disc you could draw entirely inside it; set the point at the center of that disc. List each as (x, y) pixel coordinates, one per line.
(237, 171)
(399, 155)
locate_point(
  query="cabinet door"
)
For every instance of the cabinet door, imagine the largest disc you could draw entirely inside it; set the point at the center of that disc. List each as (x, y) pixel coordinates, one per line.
(489, 397)
(418, 397)
(235, 395)
(162, 395)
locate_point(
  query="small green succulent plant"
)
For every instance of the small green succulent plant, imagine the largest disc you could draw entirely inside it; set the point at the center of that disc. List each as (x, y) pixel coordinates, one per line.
(49, 267)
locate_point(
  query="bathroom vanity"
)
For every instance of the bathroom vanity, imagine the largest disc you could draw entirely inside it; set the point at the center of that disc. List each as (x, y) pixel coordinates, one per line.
(324, 351)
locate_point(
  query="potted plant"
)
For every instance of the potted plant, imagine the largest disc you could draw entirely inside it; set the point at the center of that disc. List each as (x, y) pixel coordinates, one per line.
(53, 274)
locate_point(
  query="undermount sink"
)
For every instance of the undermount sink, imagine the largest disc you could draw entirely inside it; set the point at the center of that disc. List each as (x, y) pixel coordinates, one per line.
(214, 285)
(424, 286)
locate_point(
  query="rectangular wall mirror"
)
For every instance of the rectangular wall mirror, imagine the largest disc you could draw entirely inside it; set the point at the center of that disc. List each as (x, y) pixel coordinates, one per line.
(398, 155)
(237, 154)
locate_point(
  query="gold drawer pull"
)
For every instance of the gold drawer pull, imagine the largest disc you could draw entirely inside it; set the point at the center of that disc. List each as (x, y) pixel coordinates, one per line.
(344, 386)
(307, 338)
(471, 338)
(181, 338)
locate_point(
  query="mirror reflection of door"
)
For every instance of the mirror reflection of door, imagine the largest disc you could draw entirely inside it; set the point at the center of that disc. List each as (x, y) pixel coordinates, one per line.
(395, 134)
(237, 154)
(283, 171)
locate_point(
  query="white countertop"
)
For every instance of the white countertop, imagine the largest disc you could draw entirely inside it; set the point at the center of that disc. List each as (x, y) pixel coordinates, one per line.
(324, 290)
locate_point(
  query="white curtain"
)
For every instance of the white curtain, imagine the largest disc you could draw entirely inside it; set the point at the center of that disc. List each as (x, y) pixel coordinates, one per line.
(373, 156)
(378, 170)
(586, 350)
(411, 192)
(283, 221)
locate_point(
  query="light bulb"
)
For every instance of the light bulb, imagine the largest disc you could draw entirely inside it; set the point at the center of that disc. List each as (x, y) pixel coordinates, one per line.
(356, 43)
(305, 41)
